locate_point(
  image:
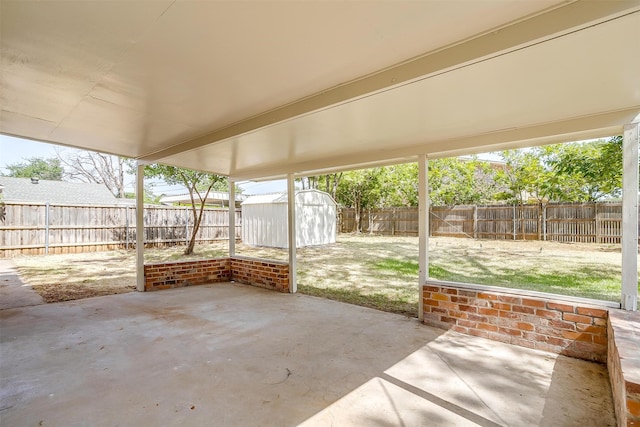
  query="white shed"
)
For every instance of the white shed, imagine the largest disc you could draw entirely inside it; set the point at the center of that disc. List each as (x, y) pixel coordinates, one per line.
(264, 219)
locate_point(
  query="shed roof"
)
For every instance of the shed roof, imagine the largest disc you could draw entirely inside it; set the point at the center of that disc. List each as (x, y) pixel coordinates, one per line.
(262, 199)
(312, 87)
(214, 197)
(56, 192)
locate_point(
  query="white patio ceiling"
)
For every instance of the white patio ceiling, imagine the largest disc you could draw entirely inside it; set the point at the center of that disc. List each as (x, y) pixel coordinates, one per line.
(262, 89)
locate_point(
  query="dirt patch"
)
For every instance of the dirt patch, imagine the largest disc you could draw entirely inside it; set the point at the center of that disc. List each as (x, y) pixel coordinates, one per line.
(56, 292)
(375, 271)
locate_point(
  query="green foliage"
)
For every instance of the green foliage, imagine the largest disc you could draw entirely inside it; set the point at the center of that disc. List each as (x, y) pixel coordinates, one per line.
(527, 176)
(455, 181)
(327, 183)
(361, 189)
(198, 183)
(400, 185)
(149, 196)
(595, 167)
(50, 169)
(572, 172)
(451, 181)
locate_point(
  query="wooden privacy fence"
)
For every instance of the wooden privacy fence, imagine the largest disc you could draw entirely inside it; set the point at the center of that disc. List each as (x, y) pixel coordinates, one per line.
(587, 223)
(39, 228)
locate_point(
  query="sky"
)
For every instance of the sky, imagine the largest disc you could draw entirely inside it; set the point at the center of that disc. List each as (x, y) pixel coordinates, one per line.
(16, 150)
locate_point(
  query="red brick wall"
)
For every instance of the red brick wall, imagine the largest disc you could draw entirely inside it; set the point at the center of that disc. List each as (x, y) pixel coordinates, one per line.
(557, 326)
(267, 274)
(623, 363)
(185, 273)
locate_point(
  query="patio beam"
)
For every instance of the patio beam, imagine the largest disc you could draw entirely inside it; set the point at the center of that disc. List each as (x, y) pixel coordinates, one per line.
(499, 41)
(423, 229)
(140, 226)
(630, 217)
(232, 218)
(291, 228)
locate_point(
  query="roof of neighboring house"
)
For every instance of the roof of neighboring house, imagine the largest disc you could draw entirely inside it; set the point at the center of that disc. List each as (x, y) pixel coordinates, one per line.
(56, 192)
(214, 197)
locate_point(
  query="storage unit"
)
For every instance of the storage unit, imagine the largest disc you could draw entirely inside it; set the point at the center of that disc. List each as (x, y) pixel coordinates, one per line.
(264, 219)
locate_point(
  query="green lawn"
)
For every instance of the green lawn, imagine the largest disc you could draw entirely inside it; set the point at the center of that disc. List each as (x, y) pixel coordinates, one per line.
(374, 271)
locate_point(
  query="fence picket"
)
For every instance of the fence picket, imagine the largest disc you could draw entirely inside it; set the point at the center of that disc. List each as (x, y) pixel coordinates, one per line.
(566, 222)
(27, 229)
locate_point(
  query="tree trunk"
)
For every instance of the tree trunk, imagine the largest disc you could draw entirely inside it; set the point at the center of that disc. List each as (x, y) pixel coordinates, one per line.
(192, 239)
(357, 212)
(197, 215)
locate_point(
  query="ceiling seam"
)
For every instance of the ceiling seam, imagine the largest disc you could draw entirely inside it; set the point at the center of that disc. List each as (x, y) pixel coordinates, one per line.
(375, 92)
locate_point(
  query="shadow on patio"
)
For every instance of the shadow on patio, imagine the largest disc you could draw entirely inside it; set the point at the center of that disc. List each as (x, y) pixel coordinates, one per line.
(229, 354)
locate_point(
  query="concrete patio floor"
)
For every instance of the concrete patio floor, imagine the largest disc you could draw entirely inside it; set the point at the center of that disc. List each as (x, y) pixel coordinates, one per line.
(234, 355)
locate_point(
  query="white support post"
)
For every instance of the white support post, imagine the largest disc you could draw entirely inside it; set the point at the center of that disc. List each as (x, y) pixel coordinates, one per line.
(291, 228)
(232, 218)
(630, 217)
(423, 229)
(140, 227)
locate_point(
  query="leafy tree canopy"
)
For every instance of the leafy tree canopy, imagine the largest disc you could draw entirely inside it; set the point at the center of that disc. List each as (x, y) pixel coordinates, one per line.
(595, 167)
(50, 169)
(199, 184)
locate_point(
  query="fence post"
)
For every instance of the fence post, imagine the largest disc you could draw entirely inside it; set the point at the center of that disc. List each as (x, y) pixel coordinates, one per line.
(514, 222)
(475, 221)
(393, 222)
(126, 227)
(539, 210)
(597, 223)
(544, 223)
(186, 225)
(46, 228)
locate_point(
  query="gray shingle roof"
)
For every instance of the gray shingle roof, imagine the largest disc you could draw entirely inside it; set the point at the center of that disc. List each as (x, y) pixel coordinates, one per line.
(56, 192)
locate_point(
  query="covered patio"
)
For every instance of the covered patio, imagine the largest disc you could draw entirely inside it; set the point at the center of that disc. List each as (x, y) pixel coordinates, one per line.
(228, 354)
(274, 90)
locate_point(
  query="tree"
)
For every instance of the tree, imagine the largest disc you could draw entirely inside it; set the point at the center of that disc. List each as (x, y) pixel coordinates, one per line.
(452, 181)
(360, 190)
(89, 166)
(457, 181)
(400, 185)
(527, 176)
(594, 166)
(327, 183)
(199, 184)
(49, 169)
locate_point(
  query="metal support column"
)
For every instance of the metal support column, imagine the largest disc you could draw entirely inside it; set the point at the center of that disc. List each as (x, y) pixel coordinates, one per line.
(291, 227)
(423, 229)
(232, 218)
(140, 226)
(630, 217)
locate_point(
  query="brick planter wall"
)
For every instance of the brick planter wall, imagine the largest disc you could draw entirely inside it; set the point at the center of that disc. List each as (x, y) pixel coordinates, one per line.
(623, 363)
(561, 327)
(263, 273)
(186, 273)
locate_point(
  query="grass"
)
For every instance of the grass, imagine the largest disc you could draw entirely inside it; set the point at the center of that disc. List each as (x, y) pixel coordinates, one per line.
(373, 271)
